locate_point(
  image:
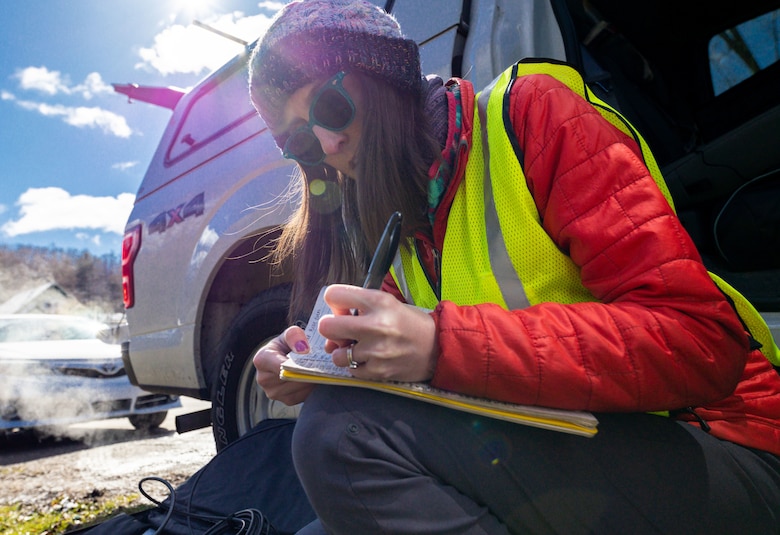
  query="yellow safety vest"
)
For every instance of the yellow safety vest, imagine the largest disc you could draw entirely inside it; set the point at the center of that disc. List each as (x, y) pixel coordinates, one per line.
(495, 249)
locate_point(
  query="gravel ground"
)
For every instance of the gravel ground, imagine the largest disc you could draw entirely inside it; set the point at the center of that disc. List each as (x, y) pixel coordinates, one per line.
(100, 460)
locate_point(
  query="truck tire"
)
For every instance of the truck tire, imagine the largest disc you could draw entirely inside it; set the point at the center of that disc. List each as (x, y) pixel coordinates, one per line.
(238, 403)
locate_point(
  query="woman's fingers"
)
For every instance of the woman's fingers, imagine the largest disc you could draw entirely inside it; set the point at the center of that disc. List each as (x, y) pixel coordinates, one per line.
(268, 361)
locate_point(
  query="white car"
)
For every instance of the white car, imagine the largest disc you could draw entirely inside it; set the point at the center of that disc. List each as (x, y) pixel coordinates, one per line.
(57, 370)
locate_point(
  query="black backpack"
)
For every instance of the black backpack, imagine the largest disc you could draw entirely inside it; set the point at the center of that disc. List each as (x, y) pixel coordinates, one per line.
(250, 482)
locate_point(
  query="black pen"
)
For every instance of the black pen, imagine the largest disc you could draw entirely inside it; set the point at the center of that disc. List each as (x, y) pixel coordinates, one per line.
(385, 253)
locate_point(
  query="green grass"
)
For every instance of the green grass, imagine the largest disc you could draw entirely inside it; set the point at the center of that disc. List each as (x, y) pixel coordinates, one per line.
(63, 514)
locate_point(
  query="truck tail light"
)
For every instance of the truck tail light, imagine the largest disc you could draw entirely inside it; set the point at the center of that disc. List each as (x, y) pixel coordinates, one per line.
(130, 246)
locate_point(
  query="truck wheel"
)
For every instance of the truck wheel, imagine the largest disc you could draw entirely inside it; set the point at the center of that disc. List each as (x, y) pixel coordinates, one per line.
(238, 403)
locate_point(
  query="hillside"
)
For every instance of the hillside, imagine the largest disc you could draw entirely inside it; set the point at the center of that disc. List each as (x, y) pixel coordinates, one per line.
(95, 282)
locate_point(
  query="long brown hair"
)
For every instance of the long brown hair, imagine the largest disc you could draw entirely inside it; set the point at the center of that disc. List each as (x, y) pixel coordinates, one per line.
(331, 236)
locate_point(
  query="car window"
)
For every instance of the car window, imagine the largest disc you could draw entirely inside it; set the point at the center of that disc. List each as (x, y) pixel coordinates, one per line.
(217, 107)
(738, 53)
(28, 330)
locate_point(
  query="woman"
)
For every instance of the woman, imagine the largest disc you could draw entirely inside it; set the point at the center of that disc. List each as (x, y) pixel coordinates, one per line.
(616, 313)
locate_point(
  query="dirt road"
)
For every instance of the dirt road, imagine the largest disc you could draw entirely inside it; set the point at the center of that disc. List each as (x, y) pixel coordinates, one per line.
(100, 460)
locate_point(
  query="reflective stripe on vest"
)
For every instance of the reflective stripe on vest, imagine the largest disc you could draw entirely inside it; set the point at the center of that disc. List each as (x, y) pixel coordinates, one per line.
(495, 248)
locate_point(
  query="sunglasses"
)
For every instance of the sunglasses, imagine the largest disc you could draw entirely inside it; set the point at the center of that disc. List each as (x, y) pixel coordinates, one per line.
(331, 108)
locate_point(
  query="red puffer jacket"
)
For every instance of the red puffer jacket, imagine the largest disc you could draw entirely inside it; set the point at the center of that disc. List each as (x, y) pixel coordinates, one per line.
(662, 336)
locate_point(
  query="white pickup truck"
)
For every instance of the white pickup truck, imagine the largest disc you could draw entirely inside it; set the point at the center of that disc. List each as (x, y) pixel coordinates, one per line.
(200, 293)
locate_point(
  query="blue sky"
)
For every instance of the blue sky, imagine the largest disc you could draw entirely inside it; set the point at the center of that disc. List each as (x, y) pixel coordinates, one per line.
(73, 151)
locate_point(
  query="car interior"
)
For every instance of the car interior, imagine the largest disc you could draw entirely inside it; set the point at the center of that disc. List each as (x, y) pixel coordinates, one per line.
(701, 82)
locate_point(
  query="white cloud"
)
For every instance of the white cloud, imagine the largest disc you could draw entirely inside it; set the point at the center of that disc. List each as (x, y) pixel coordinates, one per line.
(124, 166)
(93, 85)
(52, 83)
(271, 5)
(41, 79)
(46, 209)
(82, 116)
(193, 50)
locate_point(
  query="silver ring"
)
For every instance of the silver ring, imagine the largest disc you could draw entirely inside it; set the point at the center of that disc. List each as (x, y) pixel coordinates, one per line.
(352, 363)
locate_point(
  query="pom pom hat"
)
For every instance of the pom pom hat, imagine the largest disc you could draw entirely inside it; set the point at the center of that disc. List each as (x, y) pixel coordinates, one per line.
(312, 40)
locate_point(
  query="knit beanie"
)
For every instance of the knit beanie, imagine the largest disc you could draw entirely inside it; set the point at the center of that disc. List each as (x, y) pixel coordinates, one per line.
(310, 40)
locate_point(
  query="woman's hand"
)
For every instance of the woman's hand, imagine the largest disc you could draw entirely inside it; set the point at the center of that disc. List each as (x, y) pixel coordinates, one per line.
(268, 361)
(392, 340)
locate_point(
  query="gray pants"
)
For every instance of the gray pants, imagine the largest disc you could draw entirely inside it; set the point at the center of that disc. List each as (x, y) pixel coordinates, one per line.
(378, 463)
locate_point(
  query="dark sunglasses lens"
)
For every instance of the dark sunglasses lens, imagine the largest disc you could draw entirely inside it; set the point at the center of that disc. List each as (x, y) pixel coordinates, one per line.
(304, 147)
(333, 110)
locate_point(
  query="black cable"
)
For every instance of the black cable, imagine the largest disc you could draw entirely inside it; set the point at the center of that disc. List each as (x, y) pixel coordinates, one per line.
(244, 522)
(171, 495)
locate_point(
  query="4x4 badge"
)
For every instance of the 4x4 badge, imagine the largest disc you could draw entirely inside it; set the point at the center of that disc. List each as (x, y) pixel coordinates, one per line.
(167, 219)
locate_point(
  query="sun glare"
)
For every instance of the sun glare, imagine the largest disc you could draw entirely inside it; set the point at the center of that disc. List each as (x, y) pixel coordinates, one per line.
(192, 9)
